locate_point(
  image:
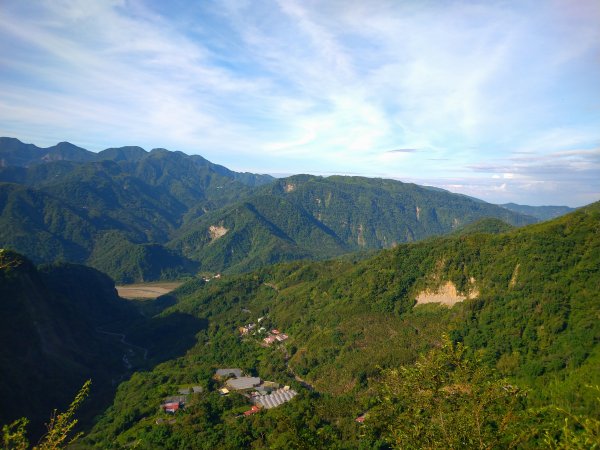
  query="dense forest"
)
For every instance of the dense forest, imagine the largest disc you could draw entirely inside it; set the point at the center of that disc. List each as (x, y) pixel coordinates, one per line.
(443, 322)
(143, 216)
(62, 324)
(515, 358)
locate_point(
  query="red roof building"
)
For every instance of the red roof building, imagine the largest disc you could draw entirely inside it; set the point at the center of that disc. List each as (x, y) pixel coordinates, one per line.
(170, 407)
(269, 340)
(252, 410)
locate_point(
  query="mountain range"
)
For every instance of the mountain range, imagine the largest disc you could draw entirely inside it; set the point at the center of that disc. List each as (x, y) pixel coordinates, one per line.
(365, 277)
(141, 216)
(522, 300)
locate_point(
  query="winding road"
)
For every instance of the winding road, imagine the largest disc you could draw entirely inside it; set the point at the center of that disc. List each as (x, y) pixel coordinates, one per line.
(123, 340)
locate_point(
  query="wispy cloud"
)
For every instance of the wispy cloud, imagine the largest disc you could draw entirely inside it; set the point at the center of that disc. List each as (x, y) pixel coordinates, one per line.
(403, 150)
(379, 87)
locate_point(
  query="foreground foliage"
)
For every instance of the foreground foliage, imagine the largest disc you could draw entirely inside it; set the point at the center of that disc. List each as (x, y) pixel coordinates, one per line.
(59, 428)
(446, 400)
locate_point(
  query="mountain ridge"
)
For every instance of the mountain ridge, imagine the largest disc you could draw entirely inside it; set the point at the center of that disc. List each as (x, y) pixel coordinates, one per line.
(172, 201)
(529, 316)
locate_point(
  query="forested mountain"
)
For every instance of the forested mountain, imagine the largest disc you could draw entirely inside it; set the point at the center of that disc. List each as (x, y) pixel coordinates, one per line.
(17, 154)
(50, 346)
(539, 212)
(62, 324)
(141, 215)
(488, 225)
(74, 206)
(307, 216)
(524, 302)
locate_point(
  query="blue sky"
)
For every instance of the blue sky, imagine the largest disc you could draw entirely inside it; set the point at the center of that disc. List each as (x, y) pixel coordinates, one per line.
(495, 99)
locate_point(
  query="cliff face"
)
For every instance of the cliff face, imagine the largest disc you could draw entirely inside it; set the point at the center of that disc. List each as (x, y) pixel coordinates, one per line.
(48, 321)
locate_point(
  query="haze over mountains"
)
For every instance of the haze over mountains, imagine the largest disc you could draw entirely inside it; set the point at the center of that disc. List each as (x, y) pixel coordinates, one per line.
(139, 215)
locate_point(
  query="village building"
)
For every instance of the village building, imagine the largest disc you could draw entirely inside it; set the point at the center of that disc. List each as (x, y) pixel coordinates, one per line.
(262, 390)
(190, 390)
(269, 339)
(223, 391)
(241, 383)
(275, 335)
(247, 328)
(175, 399)
(252, 410)
(224, 373)
(279, 397)
(171, 407)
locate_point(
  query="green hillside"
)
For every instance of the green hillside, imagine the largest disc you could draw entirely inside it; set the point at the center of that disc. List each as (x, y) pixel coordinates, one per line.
(261, 231)
(49, 341)
(539, 212)
(488, 225)
(315, 217)
(531, 317)
(128, 263)
(62, 324)
(74, 208)
(142, 216)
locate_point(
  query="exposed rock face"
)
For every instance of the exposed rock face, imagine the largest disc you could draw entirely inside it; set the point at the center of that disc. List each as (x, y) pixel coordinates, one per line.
(515, 275)
(445, 294)
(361, 237)
(217, 231)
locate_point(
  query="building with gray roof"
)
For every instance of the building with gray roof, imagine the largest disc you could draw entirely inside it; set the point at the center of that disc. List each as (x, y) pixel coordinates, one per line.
(242, 383)
(223, 373)
(279, 397)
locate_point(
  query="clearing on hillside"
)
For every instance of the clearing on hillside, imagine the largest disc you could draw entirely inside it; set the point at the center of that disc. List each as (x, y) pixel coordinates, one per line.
(445, 294)
(147, 290)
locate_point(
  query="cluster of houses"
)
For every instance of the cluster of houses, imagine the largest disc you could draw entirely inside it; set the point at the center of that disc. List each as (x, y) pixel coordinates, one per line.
(272, 336)
(275, 336)
(173, 403)
(252, 327)
(208, 278)
(261, 393)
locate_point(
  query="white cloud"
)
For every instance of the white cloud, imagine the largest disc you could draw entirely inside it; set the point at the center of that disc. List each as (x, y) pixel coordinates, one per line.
(306, 85)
